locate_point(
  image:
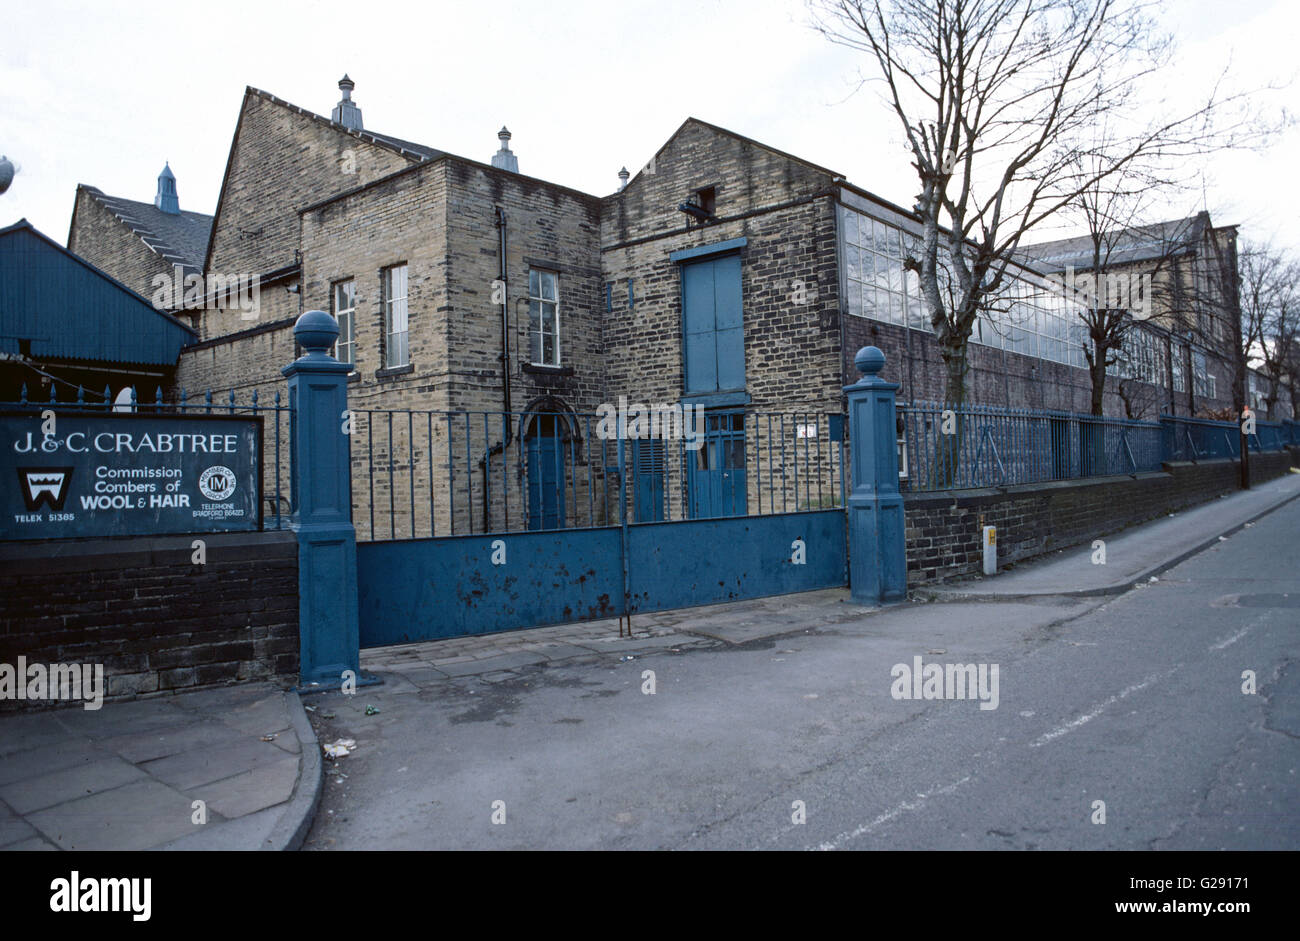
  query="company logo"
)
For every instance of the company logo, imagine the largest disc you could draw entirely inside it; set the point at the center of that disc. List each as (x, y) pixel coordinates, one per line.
(48, 485)
(217, 483)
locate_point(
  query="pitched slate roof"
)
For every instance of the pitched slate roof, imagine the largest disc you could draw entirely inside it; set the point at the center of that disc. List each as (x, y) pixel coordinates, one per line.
(1126, 246)
(179, 239)
(428, 153)
(407, 148)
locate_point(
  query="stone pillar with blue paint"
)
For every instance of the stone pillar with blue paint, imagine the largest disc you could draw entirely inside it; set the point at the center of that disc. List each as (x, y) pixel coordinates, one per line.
(877, 548)
(329, 639)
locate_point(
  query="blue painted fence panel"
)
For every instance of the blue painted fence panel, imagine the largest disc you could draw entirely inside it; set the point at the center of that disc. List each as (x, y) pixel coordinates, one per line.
(423, 589)
(677, 565)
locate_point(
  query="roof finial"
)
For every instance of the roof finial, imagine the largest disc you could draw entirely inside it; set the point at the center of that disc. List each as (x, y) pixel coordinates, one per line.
(165, 199)
(346, 111)
(503, 159)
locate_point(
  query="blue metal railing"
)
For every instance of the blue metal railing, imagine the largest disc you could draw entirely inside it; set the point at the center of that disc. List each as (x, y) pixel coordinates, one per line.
(942, 448)
(275, 452)
(1201, 439)
(426, 473)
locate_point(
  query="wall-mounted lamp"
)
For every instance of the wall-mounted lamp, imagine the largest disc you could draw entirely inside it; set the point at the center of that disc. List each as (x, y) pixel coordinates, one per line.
(698, 213)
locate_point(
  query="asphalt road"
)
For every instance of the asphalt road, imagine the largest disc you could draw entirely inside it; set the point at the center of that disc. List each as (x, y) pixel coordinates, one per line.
(1136, 701)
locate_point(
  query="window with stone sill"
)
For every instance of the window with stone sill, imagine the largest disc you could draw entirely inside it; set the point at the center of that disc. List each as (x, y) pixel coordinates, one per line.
(543, 317)
(344, 300)
(396, 351)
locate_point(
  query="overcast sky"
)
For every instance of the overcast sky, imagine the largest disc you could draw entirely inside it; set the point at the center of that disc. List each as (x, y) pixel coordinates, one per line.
(103, 93)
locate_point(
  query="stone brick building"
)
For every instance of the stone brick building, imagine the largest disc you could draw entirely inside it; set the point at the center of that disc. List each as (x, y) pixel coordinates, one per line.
(136, 242)
(1180, 359)
(724, 275)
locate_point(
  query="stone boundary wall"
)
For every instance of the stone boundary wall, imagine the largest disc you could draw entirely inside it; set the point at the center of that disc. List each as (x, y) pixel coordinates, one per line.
(944, 527)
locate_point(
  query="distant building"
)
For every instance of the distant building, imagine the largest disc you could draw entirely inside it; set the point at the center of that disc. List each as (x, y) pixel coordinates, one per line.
(1180, 360)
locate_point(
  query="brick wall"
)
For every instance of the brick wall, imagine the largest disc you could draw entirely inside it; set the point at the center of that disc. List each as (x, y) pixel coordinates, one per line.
(157, 622)
(99, 237)
(943, 529)
(282, 159)
(785, 210)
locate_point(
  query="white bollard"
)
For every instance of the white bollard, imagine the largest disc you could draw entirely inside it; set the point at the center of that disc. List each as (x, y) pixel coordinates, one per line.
(990, 550)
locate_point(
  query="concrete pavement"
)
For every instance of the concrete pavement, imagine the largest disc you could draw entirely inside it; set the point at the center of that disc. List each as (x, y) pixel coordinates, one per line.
(128, 776)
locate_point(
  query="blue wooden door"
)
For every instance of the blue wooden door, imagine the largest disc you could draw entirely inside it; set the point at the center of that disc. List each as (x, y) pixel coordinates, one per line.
(545, 449)
(717, 475)
(648, 474)
(713, 326)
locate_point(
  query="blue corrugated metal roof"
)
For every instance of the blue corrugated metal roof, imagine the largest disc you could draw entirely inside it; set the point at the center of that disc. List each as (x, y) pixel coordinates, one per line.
(69, 309)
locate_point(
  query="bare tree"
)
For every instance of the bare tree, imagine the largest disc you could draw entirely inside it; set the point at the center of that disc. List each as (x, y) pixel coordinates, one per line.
(1290, 375)
(1141, 399)
(999, 101)
(1270, 312)
(1115, 273)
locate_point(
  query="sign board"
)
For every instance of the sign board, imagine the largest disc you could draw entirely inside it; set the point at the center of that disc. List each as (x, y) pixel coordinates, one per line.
(116, 474)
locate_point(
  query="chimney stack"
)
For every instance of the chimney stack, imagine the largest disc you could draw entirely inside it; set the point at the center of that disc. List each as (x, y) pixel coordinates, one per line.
(346, 111)
(503, 159)
(165, 199)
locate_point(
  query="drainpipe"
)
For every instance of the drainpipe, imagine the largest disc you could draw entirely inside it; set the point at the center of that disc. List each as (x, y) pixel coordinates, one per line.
(505, 308)
(499, 448)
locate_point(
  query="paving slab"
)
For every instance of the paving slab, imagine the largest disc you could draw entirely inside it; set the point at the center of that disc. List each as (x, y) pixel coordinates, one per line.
(28, 731)
(223, 700)
(506, 661)
(57, 787)
(148, 746)
(199, 766)
(13, 828)
(133, 817)
(26, 846)
(244, 833)
(559, 650)
(251, 791)
(260, 717)
(421, 677)
(141, 715)
(125, 777)
(48, 757)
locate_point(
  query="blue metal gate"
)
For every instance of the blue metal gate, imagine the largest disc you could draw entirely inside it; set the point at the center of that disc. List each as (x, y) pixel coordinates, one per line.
(489, 530)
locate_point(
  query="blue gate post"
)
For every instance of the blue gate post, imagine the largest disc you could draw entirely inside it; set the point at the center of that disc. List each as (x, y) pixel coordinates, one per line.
(329, 641)
(877, 553)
